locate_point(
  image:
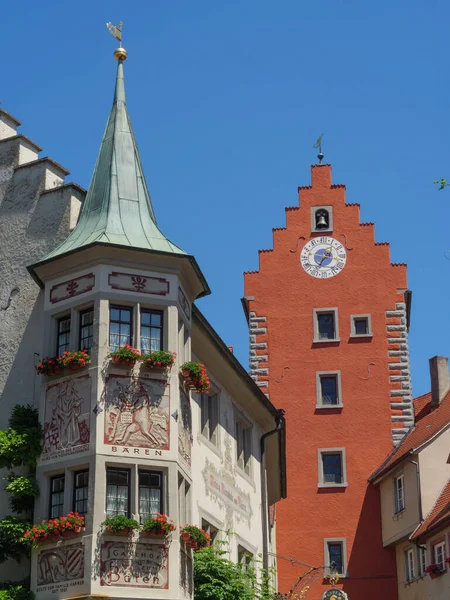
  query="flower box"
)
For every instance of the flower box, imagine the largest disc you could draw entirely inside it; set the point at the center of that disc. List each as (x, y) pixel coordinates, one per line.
(433, 571)
(126, 531)
(195, 537)
(124, 362)
(185, 536)
(157, 526)
(71, 533)
(53, 529)
(159, 360)
(152, 534)
(120, 525)
(195, 376)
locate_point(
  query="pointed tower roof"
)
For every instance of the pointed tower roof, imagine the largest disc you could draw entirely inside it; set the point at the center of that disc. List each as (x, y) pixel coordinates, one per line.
(117, 209)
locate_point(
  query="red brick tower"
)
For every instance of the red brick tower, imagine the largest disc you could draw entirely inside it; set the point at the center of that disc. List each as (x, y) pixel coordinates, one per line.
(328, 319)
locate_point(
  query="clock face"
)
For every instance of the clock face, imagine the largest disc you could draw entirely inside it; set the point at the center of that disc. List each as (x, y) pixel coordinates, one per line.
(323, 257)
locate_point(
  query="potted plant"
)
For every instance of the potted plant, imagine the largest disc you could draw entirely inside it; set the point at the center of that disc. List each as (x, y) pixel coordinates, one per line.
(120, 525)
(71, 525)
(49, 366)
(159, 360)
(433, 571)
(126, 355)
(195, 375)
(195, 537)
(75, 360)
(158, 526)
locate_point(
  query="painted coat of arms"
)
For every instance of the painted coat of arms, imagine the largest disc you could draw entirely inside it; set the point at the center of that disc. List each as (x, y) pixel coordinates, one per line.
(66, 424)
(137, 413)
(60, 564)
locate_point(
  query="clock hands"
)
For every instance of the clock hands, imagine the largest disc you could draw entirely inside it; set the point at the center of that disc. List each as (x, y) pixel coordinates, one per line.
(328, 252)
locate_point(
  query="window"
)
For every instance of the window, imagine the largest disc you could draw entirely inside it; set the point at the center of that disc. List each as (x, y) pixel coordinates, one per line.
(117, 492)
(245, 557)
(335, 556)
(243, 445)
(120, 322)
(151, 330)
(332, 467)
(439, 555)
(422, 560)
(326, 325)
(328, 390)
(209, 415)
(56, 496)
(409, 565)
(150, 494)
(360, 326)
(86, 329)
(399, 494)
(213, 531)
(184, 500)
(63, 336)
(81, 492)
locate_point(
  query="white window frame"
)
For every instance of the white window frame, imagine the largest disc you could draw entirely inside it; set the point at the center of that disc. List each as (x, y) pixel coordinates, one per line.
(322, 483)
(244, 557)
(244, 466)
(353, 333)
(410, 567)
(326, 555)
(320, 311)
(399, 500)
(436, 547)
(421, 560)
(319, 375)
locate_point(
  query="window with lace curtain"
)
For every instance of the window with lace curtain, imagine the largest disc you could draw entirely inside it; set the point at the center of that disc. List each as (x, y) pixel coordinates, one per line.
(120, 326)
(117, 492)
(150, 494)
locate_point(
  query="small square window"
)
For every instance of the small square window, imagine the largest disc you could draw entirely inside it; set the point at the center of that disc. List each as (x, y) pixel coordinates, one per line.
(328, 389)
(335, 557)
(332, 472)
(360, 326)
(399, 494)
(326, 327)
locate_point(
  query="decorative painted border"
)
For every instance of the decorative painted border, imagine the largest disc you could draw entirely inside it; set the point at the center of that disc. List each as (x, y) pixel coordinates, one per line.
(402, 409)
(184, 303)
(72, 288)
(258, 351)
(138, 283)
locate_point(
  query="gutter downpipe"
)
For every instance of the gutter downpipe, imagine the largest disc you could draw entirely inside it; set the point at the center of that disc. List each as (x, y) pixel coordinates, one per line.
(419, 498)
(264, 508)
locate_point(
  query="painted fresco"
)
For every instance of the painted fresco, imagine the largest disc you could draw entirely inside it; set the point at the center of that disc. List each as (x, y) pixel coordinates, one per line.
(185, 428)
(61, 568)
(134, 565)
(137, 413)
(66, 422)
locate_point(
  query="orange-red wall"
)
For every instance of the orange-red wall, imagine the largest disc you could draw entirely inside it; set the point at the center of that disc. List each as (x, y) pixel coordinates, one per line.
(286, 295)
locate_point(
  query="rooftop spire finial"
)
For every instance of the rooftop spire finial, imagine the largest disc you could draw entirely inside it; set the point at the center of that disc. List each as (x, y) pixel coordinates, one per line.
(318, 145)
(120, 53)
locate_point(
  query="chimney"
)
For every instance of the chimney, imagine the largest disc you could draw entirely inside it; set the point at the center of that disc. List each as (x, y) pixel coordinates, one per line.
(440, 379)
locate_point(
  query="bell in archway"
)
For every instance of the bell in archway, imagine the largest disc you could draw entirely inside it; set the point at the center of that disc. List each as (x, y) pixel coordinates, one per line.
(322, 221)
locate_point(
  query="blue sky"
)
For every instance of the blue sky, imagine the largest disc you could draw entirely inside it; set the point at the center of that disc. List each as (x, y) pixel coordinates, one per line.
(227, 100)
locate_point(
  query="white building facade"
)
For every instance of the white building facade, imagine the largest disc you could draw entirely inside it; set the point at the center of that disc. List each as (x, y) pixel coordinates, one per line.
(120, 439)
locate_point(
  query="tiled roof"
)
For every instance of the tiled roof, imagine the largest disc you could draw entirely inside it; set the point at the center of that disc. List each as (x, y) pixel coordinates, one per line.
(440, 514)
(429, 422)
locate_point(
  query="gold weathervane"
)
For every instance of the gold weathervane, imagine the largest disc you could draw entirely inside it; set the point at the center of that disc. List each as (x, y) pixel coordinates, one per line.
(120, 53)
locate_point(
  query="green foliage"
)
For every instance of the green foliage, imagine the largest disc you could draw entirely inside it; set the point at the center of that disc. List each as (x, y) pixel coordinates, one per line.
(217, 578)
(119, 523)
(12, 542)
(23, 491)
(21, 444)
(15, 591)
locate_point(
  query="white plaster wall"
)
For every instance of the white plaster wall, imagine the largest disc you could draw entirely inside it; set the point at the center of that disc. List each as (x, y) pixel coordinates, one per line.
(434, 470)
(8, 127)
(27, 152)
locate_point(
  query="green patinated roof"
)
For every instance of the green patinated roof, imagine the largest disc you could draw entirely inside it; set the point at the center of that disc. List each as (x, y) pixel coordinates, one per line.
(117, 209)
